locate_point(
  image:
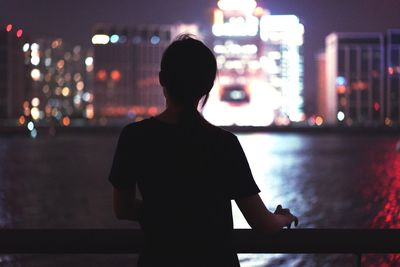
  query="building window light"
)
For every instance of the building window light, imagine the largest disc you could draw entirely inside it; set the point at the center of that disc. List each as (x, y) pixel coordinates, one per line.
(100, 39)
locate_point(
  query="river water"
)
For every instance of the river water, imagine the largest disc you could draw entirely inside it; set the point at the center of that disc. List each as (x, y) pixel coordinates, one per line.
(327, 180)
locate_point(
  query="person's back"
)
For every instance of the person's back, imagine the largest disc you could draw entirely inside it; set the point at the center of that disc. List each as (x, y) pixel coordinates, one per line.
(187, 175)
(187, 171)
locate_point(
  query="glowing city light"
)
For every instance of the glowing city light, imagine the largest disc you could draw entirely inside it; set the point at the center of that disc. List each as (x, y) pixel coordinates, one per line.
(376, 106)
(35, 46)
(340, 116)
(237, 5)
(65, 91)
(100, 39)
(19, 33)
(154, 40)
(319, 120)
(87, 97)
(9, 27)
(89, 111)
(340, 80)
(80, 85)
(30, 126)
(66, 121)
(35, 60)
(35, 113)
(25, 47)
(114, 38)
(35, 102)
(237, 27)
(89, 61)
(115, 75)
(101, 75)
(35, 74)
(21, 120)
(34, 133)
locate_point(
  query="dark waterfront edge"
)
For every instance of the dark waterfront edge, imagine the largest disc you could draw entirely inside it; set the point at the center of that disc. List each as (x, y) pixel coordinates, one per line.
(115, 129)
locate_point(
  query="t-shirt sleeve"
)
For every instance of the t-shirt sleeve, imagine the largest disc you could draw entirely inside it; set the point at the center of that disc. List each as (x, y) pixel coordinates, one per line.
(121, 174)
(240, 179)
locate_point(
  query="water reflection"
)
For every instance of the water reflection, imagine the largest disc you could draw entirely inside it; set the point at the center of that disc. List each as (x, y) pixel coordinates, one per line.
(382, 196)
(329, 181)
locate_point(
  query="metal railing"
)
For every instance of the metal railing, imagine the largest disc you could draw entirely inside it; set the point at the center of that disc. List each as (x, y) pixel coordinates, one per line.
(307, 241)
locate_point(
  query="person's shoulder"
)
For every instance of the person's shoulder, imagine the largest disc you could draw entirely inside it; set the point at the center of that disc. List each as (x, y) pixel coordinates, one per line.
(220, 132)
(137, 127)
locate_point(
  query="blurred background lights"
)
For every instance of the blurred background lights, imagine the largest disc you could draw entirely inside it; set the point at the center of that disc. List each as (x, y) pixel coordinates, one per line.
(25, 47)
(89, 61)
(340, 80)
(65, 91)
(87, 97)
(9, 27)
(66, 121)
(21, 120)
(239, 5)
(35, 102)
(123, 39)
(34, 46)
(30, 126)
(35, 60)
(80, 85)
(340, 116)
(115, 75)
(35, 74)
(114, 38)
(154, 40)
(35, 113)
(19, 33)
(101, 75)
(34, 133)
(100, 39)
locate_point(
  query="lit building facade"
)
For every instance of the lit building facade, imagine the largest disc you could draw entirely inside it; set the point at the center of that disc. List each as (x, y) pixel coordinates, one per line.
(320, 60)
(355, 78)
(260, 64)
(61, 82)
(14, 73)
(393, 77)
(126, 66)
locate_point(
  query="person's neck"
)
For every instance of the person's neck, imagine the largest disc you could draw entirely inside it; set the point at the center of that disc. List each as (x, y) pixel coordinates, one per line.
(172, 113)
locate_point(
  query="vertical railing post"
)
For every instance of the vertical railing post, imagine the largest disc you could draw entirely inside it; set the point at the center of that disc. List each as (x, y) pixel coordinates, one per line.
(357, 258)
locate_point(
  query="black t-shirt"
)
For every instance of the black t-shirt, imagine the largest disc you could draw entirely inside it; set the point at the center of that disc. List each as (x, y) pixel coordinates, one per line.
(187, 175)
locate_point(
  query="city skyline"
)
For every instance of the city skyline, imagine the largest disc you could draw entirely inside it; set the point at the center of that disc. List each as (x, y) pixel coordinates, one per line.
(319, 19)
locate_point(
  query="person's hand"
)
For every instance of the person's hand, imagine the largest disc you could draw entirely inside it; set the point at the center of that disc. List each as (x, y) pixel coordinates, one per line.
(286, 213)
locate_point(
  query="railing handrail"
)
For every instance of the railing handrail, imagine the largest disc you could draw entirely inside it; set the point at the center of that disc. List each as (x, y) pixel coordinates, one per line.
(352, 241)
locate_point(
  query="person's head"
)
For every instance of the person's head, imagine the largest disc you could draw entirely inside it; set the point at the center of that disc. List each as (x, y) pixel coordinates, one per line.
(188, 70)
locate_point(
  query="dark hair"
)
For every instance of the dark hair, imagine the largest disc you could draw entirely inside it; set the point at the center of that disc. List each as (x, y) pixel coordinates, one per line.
(188, 70)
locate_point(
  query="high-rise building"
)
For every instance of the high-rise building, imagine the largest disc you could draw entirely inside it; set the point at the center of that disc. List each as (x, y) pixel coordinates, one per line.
(60, 74)
(260, 64)
(355, 78)
(320, 60)
(126, 66)
(14, 73)
(393, 77)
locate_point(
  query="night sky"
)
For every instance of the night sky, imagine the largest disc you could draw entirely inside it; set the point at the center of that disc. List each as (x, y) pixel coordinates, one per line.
(73, 19)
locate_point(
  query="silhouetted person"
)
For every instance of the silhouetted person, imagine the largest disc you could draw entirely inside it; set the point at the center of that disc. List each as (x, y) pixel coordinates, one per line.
(187, 171)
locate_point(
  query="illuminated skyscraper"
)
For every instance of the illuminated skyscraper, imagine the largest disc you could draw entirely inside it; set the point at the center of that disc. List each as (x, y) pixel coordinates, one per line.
(14, 73)
(260, 65)
(126, 65)
(355, 78)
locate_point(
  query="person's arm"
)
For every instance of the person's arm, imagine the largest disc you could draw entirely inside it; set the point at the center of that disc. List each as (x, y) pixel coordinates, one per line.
(260, 218)
(126, 205)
